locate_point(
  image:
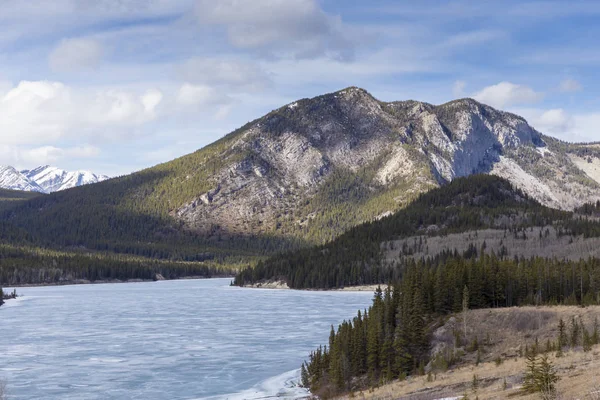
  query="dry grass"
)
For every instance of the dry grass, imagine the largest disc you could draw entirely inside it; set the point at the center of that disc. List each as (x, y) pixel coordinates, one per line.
(509, 330)
(549, 245)
(579, 372)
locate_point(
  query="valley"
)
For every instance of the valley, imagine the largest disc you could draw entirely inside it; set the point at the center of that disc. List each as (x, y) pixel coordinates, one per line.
(299, 199)
(300, 176)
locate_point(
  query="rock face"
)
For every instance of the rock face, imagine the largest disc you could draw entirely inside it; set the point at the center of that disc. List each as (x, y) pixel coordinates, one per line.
(346, 157)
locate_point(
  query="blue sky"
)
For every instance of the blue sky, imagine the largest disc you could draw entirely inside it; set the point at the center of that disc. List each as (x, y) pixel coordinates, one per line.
(114, 86)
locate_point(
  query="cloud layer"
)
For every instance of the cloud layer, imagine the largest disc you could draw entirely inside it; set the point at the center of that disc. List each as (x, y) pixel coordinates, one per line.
(506, 94)
(122, 83)
(74, 54)
(297, 27)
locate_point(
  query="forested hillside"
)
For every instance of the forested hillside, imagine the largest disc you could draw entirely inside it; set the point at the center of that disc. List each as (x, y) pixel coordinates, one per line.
(466, 204)
(303, 175)
(392, 339)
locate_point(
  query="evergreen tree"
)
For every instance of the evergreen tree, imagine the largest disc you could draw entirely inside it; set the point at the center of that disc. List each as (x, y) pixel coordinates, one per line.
(587, 340)
(575, 333)
(304, 379)
(530, 382)
(546, 377)
(465, 309)
(563, 339)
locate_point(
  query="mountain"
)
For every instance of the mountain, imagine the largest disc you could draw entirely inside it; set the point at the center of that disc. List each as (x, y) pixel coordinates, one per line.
(304, 174)
(52, 179)
(12, 179)
(318, 166)
(45, 179)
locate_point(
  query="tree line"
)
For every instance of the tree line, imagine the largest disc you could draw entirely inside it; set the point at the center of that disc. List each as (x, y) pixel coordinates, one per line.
(391, 339)
(355, 258)
(39, 266)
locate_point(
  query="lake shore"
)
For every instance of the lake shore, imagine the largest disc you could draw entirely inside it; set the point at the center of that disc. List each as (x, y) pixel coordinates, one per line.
(281, 285)
(104, 281)
(7, 296)
(203, 328)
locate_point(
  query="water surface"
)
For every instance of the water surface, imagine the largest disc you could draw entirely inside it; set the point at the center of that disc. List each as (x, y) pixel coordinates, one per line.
(187, 339)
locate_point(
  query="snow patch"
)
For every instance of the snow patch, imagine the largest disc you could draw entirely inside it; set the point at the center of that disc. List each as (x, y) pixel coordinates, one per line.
(292, 106)
(543, 151)
(284, 386)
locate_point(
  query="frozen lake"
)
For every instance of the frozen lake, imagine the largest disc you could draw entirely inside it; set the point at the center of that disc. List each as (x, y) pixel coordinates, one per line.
(187, 339)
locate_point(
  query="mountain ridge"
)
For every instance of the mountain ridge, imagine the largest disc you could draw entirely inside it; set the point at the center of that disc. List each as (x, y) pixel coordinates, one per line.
(305, 173)
(46, 179)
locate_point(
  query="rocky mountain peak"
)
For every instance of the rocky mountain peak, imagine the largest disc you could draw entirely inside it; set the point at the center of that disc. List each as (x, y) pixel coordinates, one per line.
(45, 179)
(351, 140)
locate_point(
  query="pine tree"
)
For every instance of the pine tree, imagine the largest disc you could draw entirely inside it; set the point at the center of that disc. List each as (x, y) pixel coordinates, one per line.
(587, 340)
(304, 376)
(402, 358)
(575, 333)
(563, 339)
(465, 309)
(546, 376)
(531, 373)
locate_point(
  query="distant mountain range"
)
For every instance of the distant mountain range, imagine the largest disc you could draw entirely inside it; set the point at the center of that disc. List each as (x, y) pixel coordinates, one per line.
(45, 179)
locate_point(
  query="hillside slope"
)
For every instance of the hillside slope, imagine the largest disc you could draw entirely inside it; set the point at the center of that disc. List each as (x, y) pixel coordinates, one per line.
(503, 335)
(457, 219)
(304, 174)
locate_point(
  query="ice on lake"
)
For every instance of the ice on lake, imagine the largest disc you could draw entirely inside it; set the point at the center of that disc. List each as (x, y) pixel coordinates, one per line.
(187, 339)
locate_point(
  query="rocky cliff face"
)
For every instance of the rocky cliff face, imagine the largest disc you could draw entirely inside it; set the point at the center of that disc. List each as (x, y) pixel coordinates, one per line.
(321, 165)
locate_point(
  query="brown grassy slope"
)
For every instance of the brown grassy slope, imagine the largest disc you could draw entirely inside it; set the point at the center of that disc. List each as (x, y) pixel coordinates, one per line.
(548, 245)
(508, 331)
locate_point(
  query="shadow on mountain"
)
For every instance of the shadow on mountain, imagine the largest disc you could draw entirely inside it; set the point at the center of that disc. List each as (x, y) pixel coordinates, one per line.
(111, 216)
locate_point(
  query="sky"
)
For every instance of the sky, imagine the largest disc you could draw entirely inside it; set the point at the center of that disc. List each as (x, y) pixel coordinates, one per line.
(114, 86)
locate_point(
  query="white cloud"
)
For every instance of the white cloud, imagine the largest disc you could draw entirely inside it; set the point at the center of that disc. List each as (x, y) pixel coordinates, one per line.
(458, 89)
(570, 85)
(199, 95)
(151, 99)
(298, 27)
(77, 53)
(44, 112)
(22, 157)
(555, 121)
(505, 94)
(52, 154)
(581, 127)
(587, 126)
(244, 74)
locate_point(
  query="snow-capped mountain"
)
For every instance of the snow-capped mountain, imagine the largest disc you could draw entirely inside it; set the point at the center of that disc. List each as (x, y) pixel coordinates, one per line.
(52, 179)
(45, 179)
(10, 178)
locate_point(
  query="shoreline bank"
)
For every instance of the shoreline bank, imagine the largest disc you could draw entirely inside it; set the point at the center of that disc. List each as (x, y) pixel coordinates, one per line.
(100, 282)
(281, 285)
